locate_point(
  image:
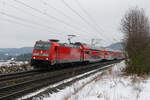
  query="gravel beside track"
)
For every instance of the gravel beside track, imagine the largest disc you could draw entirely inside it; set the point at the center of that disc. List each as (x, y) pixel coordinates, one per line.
(12, 91)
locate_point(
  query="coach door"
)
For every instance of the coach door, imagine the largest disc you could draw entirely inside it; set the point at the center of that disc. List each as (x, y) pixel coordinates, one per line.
(56, 52)
(86, 55)
(82, 55)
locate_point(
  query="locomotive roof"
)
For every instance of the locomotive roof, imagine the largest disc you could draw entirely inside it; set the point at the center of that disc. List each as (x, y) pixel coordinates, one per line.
(73, 45)
(42, 41)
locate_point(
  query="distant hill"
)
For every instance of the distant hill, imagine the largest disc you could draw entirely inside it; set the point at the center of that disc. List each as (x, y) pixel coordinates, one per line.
(24, 57)
(6, 53)
(115, 46)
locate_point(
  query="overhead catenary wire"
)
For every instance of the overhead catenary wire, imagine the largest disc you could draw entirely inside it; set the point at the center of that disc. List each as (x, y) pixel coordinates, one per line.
(22, 10)
(50, 16)
(74, 11)
(37, 24)
(57, 10)
(25, 25)
(54, 8)
(87, 14)
(26, 12)
(90, 17)
(29, 26)
(15, 22)
(24, 20)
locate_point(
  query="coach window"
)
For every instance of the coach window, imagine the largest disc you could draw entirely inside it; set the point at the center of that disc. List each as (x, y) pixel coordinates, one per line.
(87, 52)
(55, 48)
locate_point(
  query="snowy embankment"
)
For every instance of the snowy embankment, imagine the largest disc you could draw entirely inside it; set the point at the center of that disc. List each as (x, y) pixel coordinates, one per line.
(111, 84)
(14, 66)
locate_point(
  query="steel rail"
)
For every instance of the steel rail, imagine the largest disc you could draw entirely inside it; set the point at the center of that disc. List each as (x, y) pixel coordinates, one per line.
(63, 85)
(53, 77)
(16, 73)
(17, 76)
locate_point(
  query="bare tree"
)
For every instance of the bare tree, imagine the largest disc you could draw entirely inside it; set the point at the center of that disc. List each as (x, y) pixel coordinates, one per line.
(136, 29)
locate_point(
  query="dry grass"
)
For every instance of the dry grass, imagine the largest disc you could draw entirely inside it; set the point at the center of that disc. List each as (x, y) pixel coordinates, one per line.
(138, 79)
(145, 76)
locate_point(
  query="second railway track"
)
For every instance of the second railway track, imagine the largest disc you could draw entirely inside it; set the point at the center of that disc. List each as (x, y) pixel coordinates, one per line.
(10, 76)
(12, 91)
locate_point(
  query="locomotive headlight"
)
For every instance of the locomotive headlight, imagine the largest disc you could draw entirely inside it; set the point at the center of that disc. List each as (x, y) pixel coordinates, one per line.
(33, 57)
(46, 58)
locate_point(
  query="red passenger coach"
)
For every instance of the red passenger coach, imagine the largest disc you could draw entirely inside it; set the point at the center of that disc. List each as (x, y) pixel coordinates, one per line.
(52, 52)
(105, 54)
(96, 55)
(102, 54)
(118, 55)
(85, 53)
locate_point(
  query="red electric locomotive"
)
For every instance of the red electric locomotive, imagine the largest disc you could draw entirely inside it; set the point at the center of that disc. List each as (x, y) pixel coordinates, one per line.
(48, 53)
(52, 52)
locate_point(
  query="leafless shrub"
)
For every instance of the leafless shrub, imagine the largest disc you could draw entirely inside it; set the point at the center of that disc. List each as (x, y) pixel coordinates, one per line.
(145, 76)
(110, 70)
(136, 29)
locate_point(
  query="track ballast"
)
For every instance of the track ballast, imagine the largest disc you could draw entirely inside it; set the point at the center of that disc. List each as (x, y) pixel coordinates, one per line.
(36, 81)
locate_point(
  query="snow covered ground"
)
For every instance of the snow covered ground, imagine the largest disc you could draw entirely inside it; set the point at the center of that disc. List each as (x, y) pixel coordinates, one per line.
(14, 66)
(9, 63)
(111, 84)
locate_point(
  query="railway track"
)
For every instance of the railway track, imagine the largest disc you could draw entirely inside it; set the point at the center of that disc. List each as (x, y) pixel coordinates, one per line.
(12, 91)
(10, 76)
(53, 89)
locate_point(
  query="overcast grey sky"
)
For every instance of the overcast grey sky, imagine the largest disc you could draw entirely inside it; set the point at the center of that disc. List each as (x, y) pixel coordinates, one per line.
(22, 22)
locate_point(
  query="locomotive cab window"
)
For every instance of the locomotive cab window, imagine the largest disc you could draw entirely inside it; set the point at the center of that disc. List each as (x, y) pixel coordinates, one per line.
(42, 46)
